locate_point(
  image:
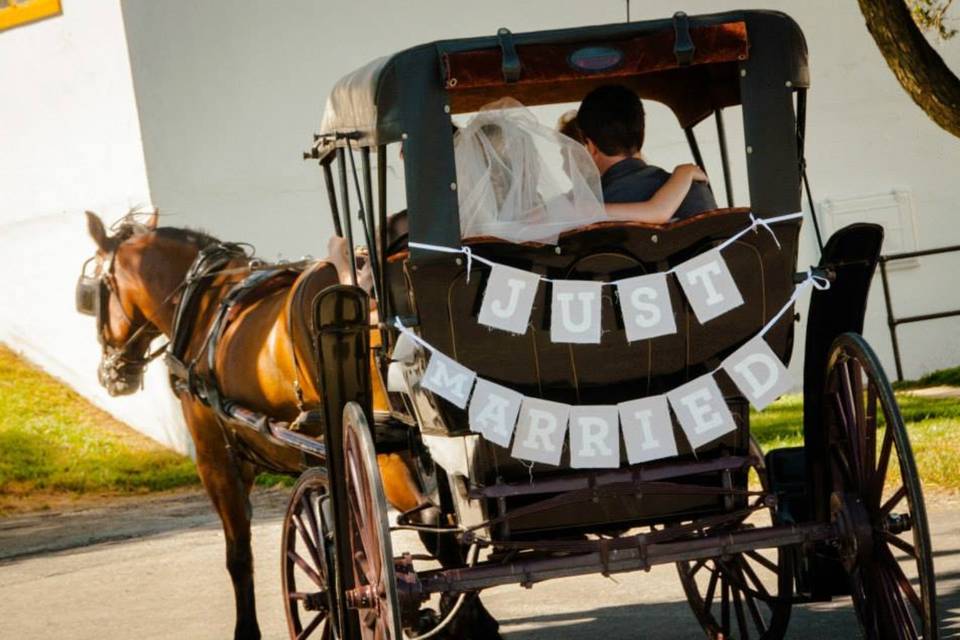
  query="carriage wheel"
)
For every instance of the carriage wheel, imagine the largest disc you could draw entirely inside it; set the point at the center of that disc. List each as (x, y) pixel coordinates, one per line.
(306, 550)
(877, 501)
(742, 595)
(374, 595)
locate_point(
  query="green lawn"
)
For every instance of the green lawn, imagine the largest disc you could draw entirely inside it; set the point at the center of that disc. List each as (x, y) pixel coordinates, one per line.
(56, 447)
(933, 424)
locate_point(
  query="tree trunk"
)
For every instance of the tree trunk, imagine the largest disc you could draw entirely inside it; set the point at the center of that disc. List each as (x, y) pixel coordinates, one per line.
(919, 68)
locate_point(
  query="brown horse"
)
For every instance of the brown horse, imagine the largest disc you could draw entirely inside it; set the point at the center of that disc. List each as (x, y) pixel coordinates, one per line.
(143, 270)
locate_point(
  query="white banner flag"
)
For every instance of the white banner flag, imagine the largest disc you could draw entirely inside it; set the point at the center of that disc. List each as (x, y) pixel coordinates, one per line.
(493, 411)
(405, 349)
(508, 299)
(701, 410)
(646, 307)
(449, 379)
(575, 311)
(647, 429)
(541, 430)
(709, 285)
(758, 373)
(594, 437)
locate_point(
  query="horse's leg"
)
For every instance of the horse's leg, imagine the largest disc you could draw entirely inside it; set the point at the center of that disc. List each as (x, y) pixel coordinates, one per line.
(228, 483)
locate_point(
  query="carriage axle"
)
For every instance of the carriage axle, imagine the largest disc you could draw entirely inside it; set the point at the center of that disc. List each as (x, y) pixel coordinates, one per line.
(641, 557)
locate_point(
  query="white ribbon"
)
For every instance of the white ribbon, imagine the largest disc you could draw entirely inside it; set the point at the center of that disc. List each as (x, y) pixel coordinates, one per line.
(755, 224)
(467, 251)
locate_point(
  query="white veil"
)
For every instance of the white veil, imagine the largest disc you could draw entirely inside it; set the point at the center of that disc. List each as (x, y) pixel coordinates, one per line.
(521, 181)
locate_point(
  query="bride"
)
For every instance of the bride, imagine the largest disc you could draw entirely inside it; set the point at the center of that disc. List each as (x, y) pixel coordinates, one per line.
(521, 181)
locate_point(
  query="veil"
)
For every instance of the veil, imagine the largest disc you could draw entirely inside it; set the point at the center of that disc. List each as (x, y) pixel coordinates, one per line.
(521, 181)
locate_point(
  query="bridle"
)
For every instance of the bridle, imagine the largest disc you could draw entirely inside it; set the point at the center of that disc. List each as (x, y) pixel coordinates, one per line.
(120, 371)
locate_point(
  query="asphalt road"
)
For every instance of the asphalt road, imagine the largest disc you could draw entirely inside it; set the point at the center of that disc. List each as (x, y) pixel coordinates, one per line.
(156, 570)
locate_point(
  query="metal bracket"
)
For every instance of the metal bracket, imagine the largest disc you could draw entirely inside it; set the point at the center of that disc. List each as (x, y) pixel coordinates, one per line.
(510, 64)
(683, 47)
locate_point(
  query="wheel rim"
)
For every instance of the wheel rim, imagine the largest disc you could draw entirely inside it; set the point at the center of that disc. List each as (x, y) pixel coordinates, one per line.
(743, 595)
(306, 550)
(877, 501)
(374, 594)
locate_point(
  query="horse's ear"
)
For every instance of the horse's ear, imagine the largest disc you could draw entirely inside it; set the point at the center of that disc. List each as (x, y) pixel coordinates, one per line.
(98, 232)
(153, 219)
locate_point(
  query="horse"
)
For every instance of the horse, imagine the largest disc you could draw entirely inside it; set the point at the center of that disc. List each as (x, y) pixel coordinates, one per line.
(263, 361)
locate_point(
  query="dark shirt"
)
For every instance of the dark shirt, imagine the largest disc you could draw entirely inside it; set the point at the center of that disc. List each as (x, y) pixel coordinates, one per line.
(633, 180)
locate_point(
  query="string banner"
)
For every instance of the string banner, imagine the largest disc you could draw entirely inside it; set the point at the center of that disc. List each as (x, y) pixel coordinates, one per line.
(645, 303)
(538, 428)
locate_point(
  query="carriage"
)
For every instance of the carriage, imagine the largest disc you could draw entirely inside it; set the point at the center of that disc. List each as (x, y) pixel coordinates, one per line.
(750, 534)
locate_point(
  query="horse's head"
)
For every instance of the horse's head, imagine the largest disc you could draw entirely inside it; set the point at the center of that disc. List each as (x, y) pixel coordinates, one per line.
(111, 288)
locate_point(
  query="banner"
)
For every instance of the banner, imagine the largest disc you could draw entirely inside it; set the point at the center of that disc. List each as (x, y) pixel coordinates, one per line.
(536, 429)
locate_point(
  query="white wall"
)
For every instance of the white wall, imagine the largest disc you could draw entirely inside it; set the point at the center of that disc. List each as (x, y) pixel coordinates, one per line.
(69, 141)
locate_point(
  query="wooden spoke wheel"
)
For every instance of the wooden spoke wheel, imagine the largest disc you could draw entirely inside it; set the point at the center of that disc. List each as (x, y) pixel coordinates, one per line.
(744, 595)
(306, 554)
(877, 501)
(374, 592)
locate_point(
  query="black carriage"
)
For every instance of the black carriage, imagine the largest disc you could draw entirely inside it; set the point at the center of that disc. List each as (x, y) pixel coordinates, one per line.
(843, 515)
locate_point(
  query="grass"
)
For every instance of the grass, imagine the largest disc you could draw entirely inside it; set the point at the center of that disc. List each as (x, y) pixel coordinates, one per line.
(933, 425)
(55, 446)
(949, 377)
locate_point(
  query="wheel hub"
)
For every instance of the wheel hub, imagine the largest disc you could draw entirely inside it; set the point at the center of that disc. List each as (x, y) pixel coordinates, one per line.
(850, 516)
(897, 523)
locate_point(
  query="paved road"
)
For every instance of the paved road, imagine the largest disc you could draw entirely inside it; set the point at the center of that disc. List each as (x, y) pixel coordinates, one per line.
(160, 574)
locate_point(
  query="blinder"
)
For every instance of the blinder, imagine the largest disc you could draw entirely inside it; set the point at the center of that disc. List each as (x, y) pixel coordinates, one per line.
(90, 297)
(119, 372)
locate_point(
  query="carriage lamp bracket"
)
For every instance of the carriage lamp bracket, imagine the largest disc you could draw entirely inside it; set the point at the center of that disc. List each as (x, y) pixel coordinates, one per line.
(683, 47)
(827, 273)
(510, 64)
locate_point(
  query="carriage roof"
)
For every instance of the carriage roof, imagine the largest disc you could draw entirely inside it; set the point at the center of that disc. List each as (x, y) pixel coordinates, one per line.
(383, 100)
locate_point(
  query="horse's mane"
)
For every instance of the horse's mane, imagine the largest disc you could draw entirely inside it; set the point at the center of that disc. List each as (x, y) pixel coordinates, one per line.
(185, 234)
(130, 225)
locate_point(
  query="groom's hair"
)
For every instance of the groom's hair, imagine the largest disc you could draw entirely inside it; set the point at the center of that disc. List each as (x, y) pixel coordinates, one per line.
(612, 117)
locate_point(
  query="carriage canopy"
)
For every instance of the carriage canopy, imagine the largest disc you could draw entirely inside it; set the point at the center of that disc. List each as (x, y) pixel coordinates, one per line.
(695, 65)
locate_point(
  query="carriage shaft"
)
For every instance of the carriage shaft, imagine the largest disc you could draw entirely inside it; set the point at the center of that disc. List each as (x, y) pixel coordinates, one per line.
(644, 556)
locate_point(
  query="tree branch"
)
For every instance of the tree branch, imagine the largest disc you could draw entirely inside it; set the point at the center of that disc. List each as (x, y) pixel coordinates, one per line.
(918, 67)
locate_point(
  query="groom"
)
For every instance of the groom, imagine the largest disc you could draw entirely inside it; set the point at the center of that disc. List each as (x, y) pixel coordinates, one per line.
(611, 121)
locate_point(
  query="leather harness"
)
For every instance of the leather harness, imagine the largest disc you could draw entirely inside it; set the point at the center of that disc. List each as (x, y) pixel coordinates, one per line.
(212, 262)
